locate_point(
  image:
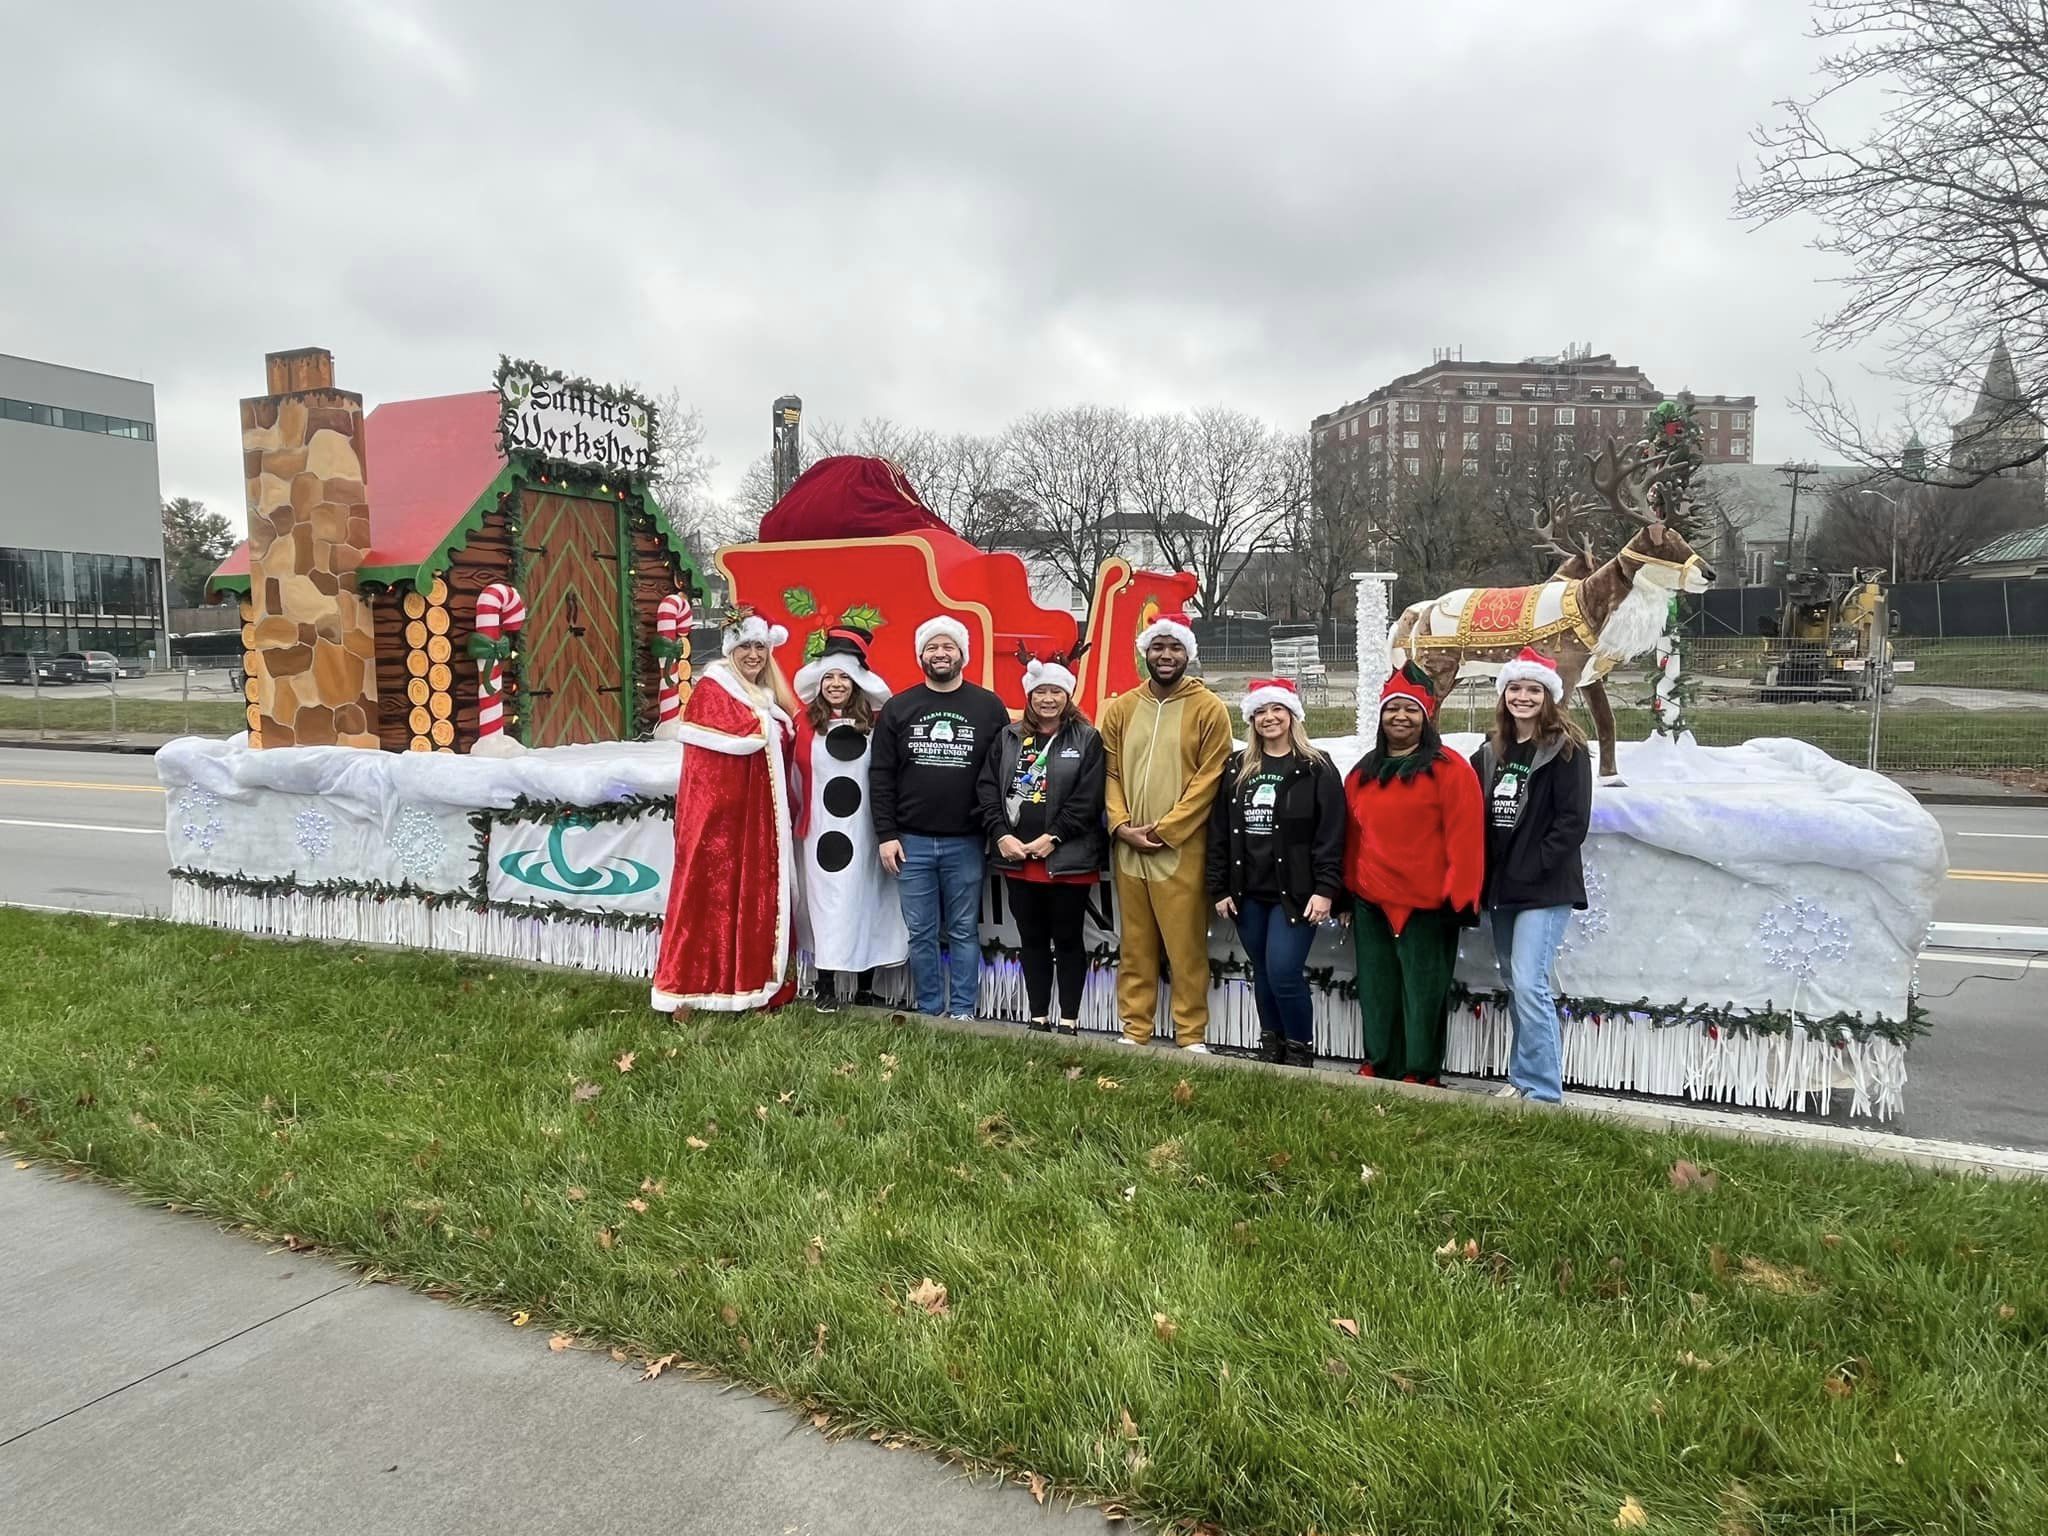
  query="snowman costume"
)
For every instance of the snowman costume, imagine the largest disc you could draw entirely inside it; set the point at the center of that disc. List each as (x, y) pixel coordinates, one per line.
(850, 917)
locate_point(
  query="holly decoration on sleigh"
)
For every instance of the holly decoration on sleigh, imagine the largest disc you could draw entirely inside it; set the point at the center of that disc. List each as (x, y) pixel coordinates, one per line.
(802, 604)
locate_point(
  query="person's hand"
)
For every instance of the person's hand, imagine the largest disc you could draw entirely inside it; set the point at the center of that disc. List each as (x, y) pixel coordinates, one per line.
(1226, 907)
(1039, 847)
(892, 856)
(1008, 847)
(1141, 838)
(1317, 910)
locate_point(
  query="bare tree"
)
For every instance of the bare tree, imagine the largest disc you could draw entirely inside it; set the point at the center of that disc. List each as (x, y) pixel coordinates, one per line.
(1440, 532)
(682, 475)
(1940, 210)
(1071, 469)
(1332, 527)
(1233, 496)
(1917, 532)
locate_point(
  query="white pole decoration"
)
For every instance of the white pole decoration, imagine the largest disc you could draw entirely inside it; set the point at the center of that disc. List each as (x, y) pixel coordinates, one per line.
(500, 614)
(672, 622)
(1375, 658)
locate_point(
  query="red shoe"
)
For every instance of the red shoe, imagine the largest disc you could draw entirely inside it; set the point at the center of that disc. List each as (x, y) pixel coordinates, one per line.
(1432, 1082)
(1365, 1069)
(1410, 1077)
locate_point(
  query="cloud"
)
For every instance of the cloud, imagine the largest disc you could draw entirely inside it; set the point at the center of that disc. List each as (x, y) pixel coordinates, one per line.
(941, 213)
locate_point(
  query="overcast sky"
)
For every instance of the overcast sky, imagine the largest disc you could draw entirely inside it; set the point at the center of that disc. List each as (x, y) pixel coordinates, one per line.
(938, 212)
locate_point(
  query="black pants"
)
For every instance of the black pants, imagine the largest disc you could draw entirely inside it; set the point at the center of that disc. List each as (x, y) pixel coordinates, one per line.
(828, 982)
(1049, 932)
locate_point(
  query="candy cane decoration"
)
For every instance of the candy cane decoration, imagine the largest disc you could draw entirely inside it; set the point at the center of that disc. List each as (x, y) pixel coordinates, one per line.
(672, 621)
(499, 610)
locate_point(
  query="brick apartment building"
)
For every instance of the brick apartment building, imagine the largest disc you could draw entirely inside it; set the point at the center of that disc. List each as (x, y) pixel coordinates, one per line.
(1534, 418)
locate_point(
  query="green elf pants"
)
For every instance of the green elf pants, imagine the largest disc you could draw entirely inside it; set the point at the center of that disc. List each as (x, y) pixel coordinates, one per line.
(1404, 986)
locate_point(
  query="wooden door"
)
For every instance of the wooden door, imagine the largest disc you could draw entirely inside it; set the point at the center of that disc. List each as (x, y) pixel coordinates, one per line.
(573, 666)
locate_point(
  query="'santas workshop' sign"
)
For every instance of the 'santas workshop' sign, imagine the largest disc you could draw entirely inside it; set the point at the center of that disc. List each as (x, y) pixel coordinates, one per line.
(574, 421)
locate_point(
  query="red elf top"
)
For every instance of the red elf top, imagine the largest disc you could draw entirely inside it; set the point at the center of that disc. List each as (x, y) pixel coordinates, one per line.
(1416, 835)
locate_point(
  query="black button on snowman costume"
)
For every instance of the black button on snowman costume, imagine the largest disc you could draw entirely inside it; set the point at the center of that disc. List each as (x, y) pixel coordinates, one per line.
(849, 915)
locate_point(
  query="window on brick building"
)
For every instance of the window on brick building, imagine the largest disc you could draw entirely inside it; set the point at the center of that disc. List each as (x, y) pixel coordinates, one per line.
(1596, 415)
(1562, 441)
(1471, 442)
(1621, 418)
(1411, 412)
(1471, 466)
(1739, 420)
(1442, 440)
(1503, 415)
(1503, 442)
(1566, 416)
(1471, 413)
(1714, 420)
(1738, 445)
(1411, 439)
(1532, 414)
(1414, 466)
(1443, 414)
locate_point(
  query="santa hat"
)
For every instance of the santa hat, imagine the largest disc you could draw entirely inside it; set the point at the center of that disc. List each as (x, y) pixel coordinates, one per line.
(846, 650)
(1274, 690)
(942, 624)
(1532, 666)
(1173, 625)
(1050, 672)
(1410, 682)
(747, 626)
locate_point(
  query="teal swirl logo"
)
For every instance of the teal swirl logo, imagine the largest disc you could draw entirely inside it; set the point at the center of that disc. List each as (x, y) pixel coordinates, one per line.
(550, 868)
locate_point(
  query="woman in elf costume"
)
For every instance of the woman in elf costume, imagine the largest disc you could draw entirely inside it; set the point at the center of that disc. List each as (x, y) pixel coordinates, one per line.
(725, 944)
(1414, 857)
(851, 918)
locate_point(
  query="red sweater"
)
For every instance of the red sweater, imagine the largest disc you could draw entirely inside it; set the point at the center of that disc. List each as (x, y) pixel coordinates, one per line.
(1416, 844)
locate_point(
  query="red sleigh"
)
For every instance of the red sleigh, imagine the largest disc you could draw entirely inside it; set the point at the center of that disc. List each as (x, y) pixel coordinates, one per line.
(851, 543)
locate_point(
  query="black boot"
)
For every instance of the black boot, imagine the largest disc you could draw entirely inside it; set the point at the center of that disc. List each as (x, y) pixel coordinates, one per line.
(1301, 1053)
(1272, 1047)
(1039, 1026)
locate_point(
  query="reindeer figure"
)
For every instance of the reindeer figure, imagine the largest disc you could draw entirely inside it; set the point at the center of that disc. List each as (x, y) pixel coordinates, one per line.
(1557, 518)
(1590, 624)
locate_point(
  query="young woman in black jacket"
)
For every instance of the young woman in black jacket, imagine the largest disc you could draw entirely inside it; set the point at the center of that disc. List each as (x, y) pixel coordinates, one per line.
(1537, 777)
(1041, 794)
(1276, 862)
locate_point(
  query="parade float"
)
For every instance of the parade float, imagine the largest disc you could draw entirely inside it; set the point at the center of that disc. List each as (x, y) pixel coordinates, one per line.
(1754, 915)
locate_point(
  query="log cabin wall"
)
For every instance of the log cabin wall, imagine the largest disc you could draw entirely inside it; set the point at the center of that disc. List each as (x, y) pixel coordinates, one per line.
(388, 610)
(485, 558)
(656, 573)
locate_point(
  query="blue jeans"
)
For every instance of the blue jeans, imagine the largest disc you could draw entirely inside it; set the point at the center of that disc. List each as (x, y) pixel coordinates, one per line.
(941, 890)
(1526, 944)
(1278, 950)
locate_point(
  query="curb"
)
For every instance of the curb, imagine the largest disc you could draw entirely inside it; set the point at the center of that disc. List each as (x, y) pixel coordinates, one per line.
(126, 749)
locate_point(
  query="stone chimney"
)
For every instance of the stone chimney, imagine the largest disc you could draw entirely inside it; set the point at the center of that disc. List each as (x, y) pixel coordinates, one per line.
(312, 641)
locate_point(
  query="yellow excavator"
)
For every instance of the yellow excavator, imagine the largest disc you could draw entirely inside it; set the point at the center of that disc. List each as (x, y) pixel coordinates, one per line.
(1830, 644)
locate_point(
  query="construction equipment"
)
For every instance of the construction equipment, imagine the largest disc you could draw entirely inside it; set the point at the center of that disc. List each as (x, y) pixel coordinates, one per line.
(1832, 640)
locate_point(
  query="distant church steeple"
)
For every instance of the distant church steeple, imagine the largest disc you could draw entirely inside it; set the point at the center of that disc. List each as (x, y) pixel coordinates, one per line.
(2002, 428)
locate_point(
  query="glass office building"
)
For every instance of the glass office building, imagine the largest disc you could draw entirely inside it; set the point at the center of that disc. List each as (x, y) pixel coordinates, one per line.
(81, 518)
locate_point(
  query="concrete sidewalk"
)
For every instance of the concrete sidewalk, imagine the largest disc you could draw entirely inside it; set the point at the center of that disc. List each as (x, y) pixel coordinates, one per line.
(164, 1376)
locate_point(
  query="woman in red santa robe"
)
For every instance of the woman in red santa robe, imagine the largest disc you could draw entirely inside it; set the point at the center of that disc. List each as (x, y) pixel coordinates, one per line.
(725, 944)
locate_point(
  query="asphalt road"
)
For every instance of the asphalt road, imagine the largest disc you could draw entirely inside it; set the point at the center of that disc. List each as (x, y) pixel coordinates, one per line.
(85, 830)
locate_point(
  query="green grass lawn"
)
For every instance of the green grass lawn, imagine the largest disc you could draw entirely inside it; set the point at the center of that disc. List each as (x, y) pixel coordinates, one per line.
(1246, 1301)
(84, 708)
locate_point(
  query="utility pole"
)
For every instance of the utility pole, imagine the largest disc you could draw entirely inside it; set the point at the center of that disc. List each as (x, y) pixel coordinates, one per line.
(787, 418)
(1794, 473)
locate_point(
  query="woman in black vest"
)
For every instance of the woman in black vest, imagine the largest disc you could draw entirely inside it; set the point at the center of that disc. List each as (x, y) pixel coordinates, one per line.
(1537, 777)
(1276, 862)
(1041, 795)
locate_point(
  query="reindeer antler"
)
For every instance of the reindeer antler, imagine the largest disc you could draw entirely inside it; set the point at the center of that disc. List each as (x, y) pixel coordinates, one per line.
(1623, 477)
(1557, 515)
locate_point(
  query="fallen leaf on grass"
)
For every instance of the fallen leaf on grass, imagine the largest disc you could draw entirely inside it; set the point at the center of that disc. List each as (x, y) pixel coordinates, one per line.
(1183, 1092)
(1279, 1160)
(888, 1060)
(654, 1187)
(1831, 1239)
(656, 1367)
(1038, 1485)
(1405, 1385)
(760, 1111)
(521, 1319)
(787, 1096)
(814, 1252)
(637, 1205)
(729, 1315)
(1166, 1155)
(1345, 1325)
(1336, 1367)
(1686, 1175)
(560, 1342)
(584, 1092)
(577, 1192)
(695, 1143)
(1838, 1386)
(2007, 1312)
(818, 1343)
(1633, 1516)
(619, 1356)
(624, 1060)
(1454, 1250)
(930, 1295)
(1107, 1084)
(1130, 1425)
(1164, 1327)
(1073, 1074)
(821, 1421)
(1367, 1173)
(606, 1238)
(1697, 1362)
(846, 1069)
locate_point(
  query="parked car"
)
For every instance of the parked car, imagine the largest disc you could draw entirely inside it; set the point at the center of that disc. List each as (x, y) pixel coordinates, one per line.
(102, 666)
(32, 668)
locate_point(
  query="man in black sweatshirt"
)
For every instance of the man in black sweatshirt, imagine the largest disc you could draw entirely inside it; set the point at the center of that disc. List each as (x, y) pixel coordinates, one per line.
(929, 745)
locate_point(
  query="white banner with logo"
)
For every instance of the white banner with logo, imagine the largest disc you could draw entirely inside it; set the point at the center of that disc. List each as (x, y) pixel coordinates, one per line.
(572, 861)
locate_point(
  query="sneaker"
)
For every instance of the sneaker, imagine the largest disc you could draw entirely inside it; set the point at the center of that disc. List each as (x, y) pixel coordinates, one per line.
(1509, 1092)
(1197, 1049)
(825, 1002)
(961, 1018)
(1125, 1040)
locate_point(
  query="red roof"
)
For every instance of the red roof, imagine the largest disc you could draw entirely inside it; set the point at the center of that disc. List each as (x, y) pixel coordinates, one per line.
(429, 462)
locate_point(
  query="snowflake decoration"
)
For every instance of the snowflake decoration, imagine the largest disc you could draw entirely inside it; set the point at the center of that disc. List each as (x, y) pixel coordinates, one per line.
(418, 842)
(316, 832)
(200, 825)
(1800, 935)
(1590, 924)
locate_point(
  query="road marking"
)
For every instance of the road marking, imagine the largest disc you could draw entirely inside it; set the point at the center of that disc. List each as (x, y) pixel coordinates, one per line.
(37, 906)
(2000, 876)
(118, 789)
(2035, 836)
(82, 826)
